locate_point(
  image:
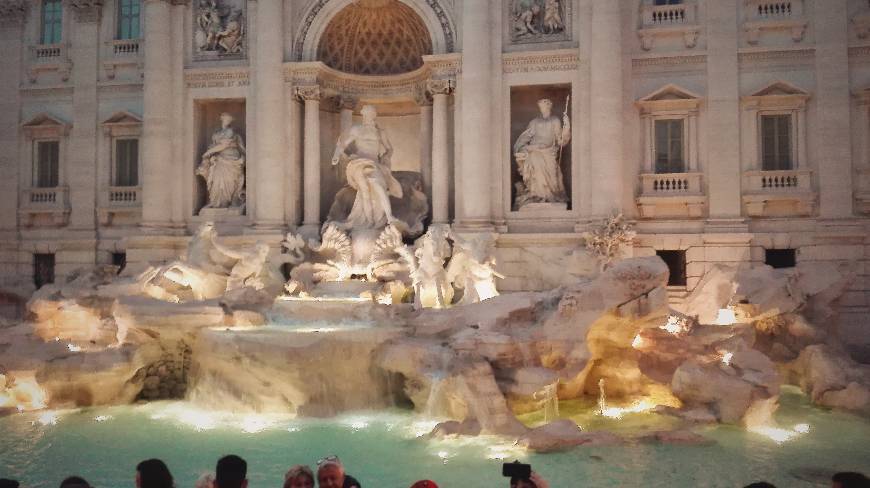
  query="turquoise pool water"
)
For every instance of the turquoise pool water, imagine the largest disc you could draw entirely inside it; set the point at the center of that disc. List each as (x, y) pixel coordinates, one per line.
(383, 449)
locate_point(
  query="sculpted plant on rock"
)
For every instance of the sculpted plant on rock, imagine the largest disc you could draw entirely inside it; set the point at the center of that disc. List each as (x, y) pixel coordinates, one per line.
(606, 241)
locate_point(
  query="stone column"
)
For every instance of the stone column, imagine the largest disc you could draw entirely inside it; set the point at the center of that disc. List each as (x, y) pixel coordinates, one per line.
(833, 155)
(12, 21)
(82, 155)
(723, 109)
(310, 95)
(475, 83)
(157, 116)
(269, 83)
(606, 182)
(425, 103)
(440, 90)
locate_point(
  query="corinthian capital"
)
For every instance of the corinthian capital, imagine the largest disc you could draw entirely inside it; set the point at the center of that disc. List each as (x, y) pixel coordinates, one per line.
(13, 12)
(86, 10)
(440, 87)
(305, 93)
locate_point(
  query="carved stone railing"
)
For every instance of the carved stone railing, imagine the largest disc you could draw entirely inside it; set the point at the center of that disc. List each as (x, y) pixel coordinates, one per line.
(46, 201)
(120, 200)
(667, 15)
(125, 47)
(774, 15)
(773, 181)
(49, 57)
(669, 20)
(670, 184)
(778, 193)
(123, 52)
(671, 195)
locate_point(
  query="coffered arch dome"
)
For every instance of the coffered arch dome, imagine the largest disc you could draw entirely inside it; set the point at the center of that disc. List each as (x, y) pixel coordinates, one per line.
(375, 37)
(333, 30)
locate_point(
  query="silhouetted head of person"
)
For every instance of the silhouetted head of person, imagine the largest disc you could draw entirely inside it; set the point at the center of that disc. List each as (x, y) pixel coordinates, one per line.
(231, 472)
(75, 482)
(849, 480)
(153, 473)
(7, 483)
(760, 484)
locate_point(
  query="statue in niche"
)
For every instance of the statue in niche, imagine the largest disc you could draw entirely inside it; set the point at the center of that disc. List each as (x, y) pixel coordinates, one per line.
(223, 167)
(537, 19)
(219, 29)
(538, 151)
(369, 173)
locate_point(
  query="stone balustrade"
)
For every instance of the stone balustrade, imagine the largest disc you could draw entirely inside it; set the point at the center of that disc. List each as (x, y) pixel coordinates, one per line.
(50, 202)
(778, 193)
(49, 57)
(667, 15)
(669, 20)
(671, 195)
(125, 47)
(774, 15)
(47, 52)
(125, 196)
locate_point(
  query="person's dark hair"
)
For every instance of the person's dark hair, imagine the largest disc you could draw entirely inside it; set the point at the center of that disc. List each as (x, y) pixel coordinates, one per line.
(153, 473)
(515, 481)
(848, 479)
(7, 483)
(760, 484)
(231, 471)
(75, 482)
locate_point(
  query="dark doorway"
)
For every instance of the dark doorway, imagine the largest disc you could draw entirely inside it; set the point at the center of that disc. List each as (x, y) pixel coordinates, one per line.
(780, 258)
(43, 269)
(676, 261)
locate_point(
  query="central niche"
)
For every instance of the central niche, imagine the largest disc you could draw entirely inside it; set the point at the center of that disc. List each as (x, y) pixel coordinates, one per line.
(375, 37)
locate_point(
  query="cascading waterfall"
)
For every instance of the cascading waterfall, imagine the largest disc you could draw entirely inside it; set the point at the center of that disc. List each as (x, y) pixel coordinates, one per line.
(551, 402)
(602, 398)
(435, 403)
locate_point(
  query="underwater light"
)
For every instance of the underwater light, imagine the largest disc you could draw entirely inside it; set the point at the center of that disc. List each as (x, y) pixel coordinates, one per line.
(726, 358)
(780, 435)
(802, 428)
(73, 348)
(102, 418)
(254, 424)
(46, 418)
(637, 342)
(726, 316)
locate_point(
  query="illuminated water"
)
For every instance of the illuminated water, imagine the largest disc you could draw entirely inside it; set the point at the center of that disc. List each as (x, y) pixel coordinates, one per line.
(382, 449)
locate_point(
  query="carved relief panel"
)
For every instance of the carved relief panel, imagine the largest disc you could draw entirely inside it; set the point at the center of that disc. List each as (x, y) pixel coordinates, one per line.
(220, 29)
(536, 21)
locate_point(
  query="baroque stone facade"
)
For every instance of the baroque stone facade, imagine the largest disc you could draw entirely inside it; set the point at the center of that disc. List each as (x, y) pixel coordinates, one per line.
(728, 131)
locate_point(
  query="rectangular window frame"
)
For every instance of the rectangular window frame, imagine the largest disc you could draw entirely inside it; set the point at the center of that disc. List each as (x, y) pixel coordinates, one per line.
(38, 180)
(44, 269)
(683, 140)
(777, 164)
(128, 20)
(51, 22)
(115, 177)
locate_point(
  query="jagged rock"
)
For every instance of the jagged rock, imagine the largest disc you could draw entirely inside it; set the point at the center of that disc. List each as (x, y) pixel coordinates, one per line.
(731, 393)
(455, 428)
(831, 378)
(562, 435)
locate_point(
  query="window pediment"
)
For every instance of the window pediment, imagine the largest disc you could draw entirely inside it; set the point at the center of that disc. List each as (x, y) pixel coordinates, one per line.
(669, 97)
(46, 125)
(122, 123)
(779, 94)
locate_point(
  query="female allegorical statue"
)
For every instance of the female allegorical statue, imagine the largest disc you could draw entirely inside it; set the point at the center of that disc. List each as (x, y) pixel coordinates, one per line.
(223, 167)
(538, 150)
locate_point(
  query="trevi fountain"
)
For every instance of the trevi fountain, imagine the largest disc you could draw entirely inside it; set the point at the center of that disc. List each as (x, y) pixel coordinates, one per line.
(358, 275)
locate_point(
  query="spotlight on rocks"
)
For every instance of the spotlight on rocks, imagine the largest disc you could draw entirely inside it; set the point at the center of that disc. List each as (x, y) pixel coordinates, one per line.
(726, 317)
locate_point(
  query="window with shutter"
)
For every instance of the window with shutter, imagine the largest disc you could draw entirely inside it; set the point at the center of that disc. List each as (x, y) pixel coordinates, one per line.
(126, 162)
(52, 21)
(128, 19)
(669, 146)
(776, 142)
(46, 169)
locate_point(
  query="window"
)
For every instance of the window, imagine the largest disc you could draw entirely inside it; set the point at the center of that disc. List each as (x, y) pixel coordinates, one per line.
(119, 259)
(128, 19)
(46, 169)
(776, 142)
(669, 146)
(126, 162)
(52, 21)
(43, 269)
(780, 258)
(668, 2)
(676, 261)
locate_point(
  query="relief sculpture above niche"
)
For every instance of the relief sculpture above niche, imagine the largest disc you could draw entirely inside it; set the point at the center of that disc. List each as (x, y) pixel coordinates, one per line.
(219, 29)
(539, 21)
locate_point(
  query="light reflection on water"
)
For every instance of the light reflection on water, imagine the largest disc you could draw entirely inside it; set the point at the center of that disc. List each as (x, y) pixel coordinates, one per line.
(384, 450)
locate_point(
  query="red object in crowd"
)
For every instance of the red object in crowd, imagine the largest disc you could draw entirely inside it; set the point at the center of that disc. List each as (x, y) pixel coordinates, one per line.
(424, 484)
